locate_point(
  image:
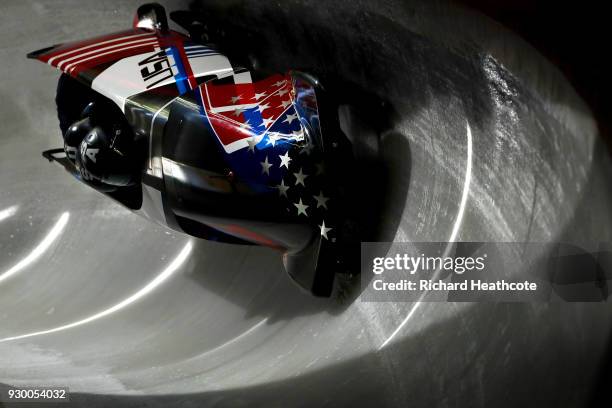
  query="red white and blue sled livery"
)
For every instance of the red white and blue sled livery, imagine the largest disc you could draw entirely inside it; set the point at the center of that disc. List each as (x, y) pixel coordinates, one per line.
(171, 129)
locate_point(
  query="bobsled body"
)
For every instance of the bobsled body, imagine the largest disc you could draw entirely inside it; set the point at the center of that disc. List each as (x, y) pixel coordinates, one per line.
(228, 154)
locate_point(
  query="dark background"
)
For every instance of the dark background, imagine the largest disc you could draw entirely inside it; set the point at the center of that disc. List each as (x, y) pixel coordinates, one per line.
(576, 36)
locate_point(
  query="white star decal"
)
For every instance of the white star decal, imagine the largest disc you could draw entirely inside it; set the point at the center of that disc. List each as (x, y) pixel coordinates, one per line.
(284, 104)
(238, 111)
(285, 159)
(258, 96)
(235, 99)
(272, 140)
(267, 122)
(279, 83)
(324, 229)
(301, 208)
(321, 200)
(263, 107)
(282, 188)
(265, 166)
(290, 118)
(282, 92)
(252, 143)
(300, 177)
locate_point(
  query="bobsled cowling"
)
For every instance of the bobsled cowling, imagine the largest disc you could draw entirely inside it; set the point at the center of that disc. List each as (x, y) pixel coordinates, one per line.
(226, 157)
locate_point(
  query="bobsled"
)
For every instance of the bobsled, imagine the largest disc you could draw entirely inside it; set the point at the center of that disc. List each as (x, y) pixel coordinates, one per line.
(169, 127)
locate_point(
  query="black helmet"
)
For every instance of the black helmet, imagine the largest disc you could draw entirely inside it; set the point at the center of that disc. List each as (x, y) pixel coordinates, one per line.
(101, 159)
(74, 136)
